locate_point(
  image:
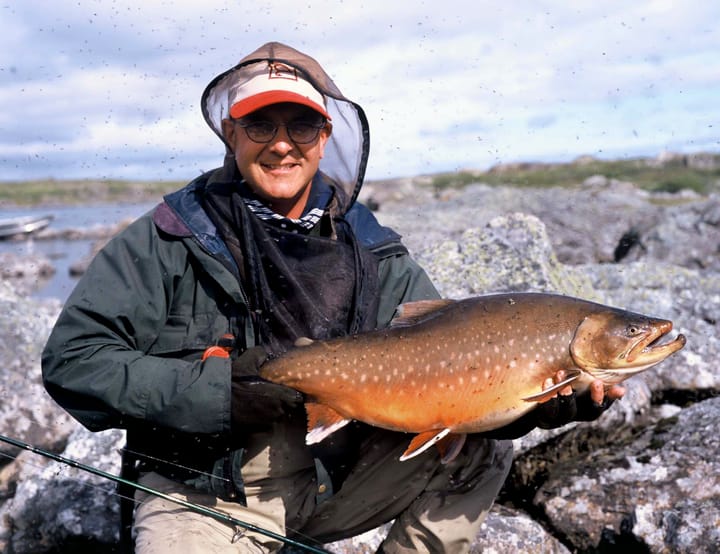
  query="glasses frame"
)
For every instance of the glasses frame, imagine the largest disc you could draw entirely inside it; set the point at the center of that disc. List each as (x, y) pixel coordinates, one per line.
(247, 125)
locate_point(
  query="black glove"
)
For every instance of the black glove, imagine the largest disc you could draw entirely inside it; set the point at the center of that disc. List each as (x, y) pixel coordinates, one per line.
(556, 412)
(256, 401)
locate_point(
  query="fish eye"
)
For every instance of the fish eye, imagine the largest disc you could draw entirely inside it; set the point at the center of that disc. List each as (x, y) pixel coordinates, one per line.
(633, 329)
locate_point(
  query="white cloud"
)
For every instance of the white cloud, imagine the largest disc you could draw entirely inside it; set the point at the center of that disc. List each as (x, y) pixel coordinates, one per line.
(444, 86)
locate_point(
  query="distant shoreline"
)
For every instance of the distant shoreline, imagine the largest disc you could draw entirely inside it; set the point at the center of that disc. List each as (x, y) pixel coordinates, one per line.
(669, 172)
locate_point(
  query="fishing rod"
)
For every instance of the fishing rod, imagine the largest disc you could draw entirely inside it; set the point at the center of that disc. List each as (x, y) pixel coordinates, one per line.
(219, 516)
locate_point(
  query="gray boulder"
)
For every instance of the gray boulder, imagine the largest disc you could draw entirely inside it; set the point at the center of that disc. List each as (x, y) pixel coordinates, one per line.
(571, 489)
(26, 411)
(56, 506)
(659, 488)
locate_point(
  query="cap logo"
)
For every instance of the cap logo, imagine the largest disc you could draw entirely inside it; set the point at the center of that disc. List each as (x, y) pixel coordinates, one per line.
(282, 71)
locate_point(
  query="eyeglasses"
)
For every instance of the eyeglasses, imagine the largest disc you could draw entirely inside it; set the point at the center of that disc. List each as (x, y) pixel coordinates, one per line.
(300, 132)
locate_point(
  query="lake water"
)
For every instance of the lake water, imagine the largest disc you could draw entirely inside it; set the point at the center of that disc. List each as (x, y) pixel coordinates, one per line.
(64, 253)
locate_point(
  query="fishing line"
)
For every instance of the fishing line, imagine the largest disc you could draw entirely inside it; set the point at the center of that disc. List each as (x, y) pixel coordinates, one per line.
(219, 516)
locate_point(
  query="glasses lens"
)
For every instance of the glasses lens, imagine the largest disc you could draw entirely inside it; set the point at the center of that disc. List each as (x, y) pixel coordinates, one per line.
(303, 132)
(260, 131)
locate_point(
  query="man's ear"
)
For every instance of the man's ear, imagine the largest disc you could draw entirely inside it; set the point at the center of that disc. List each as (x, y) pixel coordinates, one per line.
(228, 129)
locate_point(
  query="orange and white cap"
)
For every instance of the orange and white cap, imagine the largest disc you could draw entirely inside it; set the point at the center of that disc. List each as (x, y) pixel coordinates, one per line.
(269, 83)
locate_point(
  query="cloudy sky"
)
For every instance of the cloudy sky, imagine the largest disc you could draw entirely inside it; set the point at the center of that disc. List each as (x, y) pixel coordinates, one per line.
(111, 89)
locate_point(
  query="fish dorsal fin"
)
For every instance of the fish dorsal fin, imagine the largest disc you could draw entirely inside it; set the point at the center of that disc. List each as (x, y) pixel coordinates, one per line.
(323, 421)
(450, 446)
(422, 442)
(548, 393)
(410, 313)
(304, 341)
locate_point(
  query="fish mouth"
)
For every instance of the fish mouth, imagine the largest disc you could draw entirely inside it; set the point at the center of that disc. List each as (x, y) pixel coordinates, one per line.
(651, 349)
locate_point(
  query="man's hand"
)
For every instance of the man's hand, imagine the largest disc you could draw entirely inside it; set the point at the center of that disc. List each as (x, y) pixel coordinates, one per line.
(256, 401)
(567, 406)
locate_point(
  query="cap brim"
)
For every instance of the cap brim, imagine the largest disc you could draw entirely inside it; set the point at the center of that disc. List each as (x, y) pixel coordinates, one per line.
(268, 98)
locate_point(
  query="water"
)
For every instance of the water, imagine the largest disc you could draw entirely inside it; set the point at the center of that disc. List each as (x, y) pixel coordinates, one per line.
(65, 253)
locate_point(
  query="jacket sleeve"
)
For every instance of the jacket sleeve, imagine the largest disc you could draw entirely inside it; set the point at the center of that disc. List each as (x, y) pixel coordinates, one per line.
(120, 353)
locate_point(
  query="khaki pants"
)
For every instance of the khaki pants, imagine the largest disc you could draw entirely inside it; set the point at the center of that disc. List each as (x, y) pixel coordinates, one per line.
(437, 508)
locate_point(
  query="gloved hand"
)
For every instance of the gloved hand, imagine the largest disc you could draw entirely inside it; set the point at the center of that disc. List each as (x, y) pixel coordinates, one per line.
(563, 408)
(256, 401)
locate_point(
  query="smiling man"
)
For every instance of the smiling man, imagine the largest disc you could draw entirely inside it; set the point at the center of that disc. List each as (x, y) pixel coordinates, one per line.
(164, 335)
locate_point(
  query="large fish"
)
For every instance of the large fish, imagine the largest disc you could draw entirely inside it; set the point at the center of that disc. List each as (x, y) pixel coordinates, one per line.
(446, 368)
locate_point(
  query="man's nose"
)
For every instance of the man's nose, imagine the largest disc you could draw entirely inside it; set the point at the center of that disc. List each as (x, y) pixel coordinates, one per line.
(281, 142)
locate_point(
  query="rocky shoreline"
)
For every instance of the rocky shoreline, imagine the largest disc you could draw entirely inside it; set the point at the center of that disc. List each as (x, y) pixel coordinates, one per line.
(644, 477)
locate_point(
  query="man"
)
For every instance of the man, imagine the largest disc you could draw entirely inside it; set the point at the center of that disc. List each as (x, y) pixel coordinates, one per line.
(165, 333)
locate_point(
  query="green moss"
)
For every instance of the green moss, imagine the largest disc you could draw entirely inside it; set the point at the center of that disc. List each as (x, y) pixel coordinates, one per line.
(670, 176)
(51, 191)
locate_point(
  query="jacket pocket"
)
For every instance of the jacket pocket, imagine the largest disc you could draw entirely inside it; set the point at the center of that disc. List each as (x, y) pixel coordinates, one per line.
(188, 335)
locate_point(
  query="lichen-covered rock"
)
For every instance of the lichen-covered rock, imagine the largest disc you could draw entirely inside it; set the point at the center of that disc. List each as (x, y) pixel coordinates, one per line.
(26, 410)
(628, 480)
(56, 504)
(661, 486)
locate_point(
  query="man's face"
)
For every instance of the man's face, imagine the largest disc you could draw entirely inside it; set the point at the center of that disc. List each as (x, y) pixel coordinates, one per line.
(279, 171)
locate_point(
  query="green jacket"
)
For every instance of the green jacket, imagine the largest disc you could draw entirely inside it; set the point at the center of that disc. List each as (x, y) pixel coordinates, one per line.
(125, 351)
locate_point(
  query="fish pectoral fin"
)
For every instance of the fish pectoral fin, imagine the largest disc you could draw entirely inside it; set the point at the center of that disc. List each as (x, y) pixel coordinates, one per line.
(323, 421)
(550, 392)
(450, 446)
(422, 442)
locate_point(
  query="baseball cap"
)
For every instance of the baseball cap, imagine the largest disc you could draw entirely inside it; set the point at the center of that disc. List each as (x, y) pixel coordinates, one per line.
(270, 82)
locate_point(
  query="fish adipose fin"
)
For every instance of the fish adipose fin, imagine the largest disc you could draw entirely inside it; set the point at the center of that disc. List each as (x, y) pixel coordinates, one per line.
(323, 421)
(422, 442)
(548, 393)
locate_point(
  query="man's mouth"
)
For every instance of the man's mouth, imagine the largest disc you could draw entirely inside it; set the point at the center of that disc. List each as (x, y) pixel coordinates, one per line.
(280, 167)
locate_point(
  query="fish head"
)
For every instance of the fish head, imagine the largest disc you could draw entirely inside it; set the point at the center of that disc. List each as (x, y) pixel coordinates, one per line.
(614, 345)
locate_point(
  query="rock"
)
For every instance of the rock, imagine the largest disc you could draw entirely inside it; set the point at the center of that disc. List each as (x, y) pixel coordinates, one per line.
(642, 477)
(508, 531)
(660, 488)
(511, 253)
(25, 273)
(60, 505)
(26, 410)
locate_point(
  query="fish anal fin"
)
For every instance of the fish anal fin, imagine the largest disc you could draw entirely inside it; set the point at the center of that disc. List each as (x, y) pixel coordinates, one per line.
(450, 446)
(323, 421)
(422, 441)
(410, 313)
(550, 392)
(303, 341)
